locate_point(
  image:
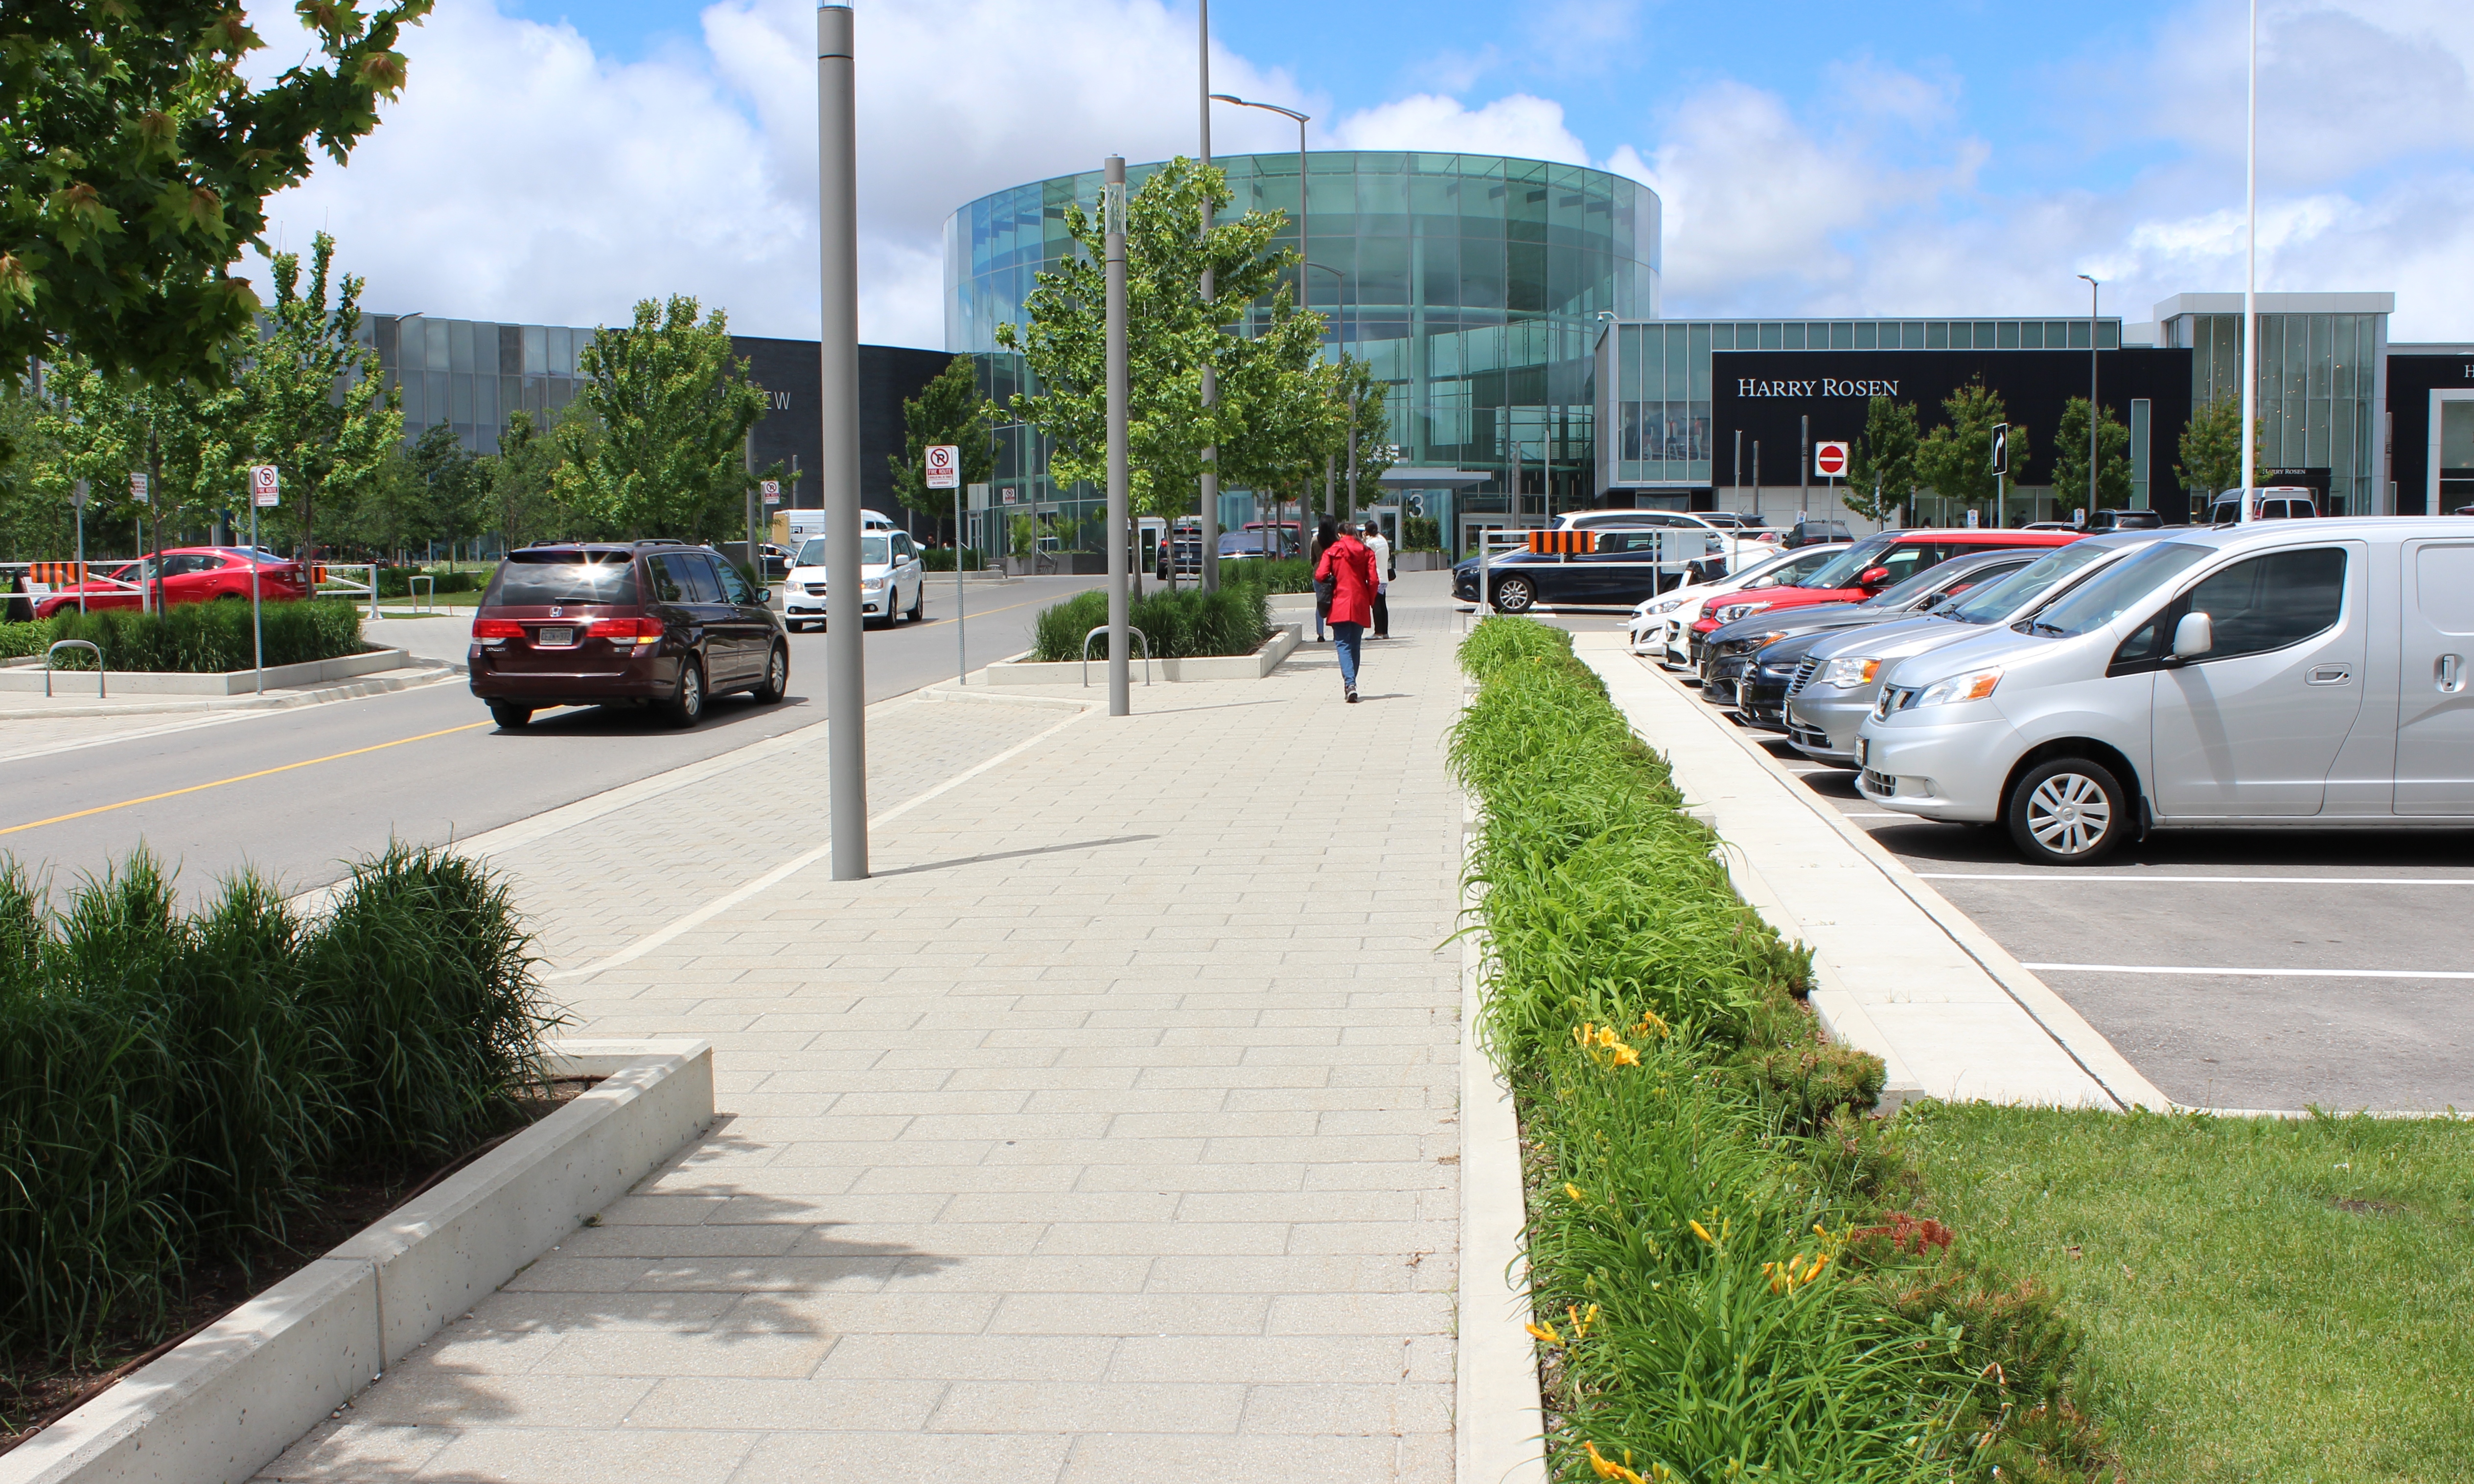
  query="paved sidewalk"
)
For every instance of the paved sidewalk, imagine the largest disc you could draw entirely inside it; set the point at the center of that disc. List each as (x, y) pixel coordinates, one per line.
(1107, 1132)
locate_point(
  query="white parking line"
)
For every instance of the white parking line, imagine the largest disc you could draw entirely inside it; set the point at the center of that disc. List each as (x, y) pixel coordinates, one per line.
(2088, 875)
(2252, 973)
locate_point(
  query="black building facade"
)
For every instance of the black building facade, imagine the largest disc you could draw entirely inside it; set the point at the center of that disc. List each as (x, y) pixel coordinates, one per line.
(2431, 428)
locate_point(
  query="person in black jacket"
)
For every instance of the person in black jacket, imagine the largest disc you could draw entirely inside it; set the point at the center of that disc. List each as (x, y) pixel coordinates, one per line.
(1325, 533)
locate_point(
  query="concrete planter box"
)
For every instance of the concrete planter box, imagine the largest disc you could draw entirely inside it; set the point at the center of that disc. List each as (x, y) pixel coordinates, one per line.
(28, 677)
(1423, 561)
(222, 1406)
(1217, 668)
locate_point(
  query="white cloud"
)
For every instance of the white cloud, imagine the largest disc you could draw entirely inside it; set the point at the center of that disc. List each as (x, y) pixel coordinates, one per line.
(1518, 125)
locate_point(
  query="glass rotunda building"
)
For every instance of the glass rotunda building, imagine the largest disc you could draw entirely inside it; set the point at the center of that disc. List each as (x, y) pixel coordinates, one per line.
(1474, 285)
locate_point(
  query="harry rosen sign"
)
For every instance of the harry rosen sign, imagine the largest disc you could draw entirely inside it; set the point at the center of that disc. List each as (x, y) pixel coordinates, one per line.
(1827, 386)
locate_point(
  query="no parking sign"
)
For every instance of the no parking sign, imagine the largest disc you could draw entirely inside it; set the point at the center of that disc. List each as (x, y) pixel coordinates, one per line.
(265, 485)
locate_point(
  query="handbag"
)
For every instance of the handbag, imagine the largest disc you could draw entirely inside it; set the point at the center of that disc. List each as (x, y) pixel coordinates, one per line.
(1325, 588)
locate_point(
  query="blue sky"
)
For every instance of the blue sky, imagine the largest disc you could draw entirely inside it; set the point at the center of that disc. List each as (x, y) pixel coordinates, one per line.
(1921, 157)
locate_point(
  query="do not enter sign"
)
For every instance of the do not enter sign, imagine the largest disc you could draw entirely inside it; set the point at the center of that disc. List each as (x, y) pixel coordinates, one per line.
(1830, 458)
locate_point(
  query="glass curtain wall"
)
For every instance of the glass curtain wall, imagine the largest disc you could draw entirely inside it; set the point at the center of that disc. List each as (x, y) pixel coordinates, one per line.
(1470, 283)
(472, 374)
(2318, 393)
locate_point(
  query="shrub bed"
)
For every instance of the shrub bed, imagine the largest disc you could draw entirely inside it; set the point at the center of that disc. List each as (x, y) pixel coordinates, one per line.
(24, 638)
(1185, 624)
(1278, 574)
(203, 639)
(1726, 1282)
(174, 1086)
(940, 559)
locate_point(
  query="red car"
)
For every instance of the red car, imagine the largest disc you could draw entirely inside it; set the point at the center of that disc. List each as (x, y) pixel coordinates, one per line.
(192, 574)
(1865, 569)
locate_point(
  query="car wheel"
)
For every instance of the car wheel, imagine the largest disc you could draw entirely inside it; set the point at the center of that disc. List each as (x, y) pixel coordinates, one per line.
(510, 716)
(2069, 811)
(919, 601)
(687, 708)
(777, 676)
(1514, 595)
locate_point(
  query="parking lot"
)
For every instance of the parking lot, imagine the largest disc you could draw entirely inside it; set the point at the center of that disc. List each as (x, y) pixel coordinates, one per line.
(2235, 968)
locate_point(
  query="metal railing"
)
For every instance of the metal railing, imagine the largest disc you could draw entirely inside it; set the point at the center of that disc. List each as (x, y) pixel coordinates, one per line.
(101, 685)
(1103, 628)
(425, 600)
(322, 585)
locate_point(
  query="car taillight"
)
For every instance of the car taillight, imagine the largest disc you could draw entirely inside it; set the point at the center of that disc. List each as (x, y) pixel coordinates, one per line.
(625, 630)
(497, 628)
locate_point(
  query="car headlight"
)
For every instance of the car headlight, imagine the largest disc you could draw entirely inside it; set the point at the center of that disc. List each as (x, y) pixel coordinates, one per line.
(1735, 611)
(1974, 685)
(1850, 671)
(1662, 606)
(871, 584)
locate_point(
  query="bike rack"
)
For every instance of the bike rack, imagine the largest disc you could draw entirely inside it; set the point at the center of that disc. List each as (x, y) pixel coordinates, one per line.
(101, 692)
(428, 597)
(1103, 628)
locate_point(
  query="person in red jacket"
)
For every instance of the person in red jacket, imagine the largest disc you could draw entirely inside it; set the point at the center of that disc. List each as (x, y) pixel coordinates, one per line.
(1348, 568)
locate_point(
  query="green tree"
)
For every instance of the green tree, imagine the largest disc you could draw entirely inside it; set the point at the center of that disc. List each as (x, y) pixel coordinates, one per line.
(136, 160)
(2070, 459)
(103, 427)
(1881, 467)
(1956, 459)
(673, 408)
(313, 400)
(1172, 332)
(948, 409)
(521, 475)
(456, 487)
(2212, 447)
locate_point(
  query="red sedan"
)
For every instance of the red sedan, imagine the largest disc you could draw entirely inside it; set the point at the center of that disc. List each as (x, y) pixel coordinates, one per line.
(1871, 565)
(190, 574)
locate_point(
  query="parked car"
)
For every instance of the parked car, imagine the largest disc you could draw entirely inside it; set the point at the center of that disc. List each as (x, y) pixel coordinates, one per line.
(1662, 626)
(893, 584)
(1747, 664)
(1735, 543)
(2121, 519)
(2274, 502)
(1623, 567)
(649, 623)
(2302, 674)
(1836, 676)
(1255, 545)
(192, 574)
(1810, 532)
(1867, 567)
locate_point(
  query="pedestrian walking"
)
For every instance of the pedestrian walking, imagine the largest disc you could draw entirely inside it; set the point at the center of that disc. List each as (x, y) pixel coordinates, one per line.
(1384, 575)
(1325, 533)
(1348, 567)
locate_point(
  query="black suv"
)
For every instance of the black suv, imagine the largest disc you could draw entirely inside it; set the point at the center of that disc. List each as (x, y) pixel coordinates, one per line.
(642, 622)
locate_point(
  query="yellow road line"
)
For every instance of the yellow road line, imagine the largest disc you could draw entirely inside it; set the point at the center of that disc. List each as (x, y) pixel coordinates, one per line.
(105, 808)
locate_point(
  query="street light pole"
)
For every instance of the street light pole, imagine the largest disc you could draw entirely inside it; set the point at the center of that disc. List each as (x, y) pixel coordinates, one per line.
(845, 620)
(1112, 214)
(2092, 414)
(1305, 256)
(2250, 278)
(1208, 563)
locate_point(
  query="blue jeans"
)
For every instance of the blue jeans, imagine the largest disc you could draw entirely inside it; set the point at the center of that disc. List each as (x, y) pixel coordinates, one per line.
(1344, 638)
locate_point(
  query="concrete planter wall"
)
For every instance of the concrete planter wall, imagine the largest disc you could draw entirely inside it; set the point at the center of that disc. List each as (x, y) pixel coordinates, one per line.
(223, 1405)
(19, 678)
(1423, 561)
(1216, 667)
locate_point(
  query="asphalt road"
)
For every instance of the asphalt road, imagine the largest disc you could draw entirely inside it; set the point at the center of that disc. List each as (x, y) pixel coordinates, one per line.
(2235, 968)
(300, 794)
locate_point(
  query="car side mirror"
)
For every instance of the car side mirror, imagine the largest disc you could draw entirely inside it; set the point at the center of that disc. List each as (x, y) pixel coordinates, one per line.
(1874, 577)
(763, 595)
(2194, 636)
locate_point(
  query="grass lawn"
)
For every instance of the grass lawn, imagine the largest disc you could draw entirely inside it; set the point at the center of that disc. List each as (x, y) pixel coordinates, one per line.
(2264, 1300)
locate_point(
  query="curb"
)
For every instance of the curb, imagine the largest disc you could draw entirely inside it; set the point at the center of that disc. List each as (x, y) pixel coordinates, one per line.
(1499, 1419)
(228, 1402)
(427, 672)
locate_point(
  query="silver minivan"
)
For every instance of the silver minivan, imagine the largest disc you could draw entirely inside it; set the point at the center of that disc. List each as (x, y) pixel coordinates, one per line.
(1840, 677)
(2277, 673)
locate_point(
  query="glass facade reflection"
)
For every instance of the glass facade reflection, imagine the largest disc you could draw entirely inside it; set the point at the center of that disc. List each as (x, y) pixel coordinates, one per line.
(2319, 385)
(1472, 283)
(472, 374)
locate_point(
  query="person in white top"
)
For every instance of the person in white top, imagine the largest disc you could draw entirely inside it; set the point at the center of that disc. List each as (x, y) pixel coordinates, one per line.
(1382, 550)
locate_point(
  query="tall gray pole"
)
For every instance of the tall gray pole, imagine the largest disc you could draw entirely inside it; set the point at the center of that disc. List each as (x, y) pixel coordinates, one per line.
(1210, 501)
(2092, 412)
(1804, 471)
(2250, 280)
(80, 547)
(1113, 221)
(845, 623)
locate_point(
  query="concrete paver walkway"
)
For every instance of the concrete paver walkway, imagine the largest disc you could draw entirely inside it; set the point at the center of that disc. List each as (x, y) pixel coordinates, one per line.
(1108, 1132)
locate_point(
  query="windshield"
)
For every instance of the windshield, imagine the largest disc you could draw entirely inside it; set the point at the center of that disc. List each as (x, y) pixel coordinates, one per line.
(2104, 597)
(873, 551)
(1908, 592)
(1997, 601)
(1840, 571)
(525, 580)
(1248, 542)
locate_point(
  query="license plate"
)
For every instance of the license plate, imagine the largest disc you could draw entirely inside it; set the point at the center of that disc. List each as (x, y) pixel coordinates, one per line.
(1863, 750)
(557, 637)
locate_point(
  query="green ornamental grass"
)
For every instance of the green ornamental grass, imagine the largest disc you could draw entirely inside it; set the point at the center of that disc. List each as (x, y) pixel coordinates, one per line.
(203, 639)
(1187, 623)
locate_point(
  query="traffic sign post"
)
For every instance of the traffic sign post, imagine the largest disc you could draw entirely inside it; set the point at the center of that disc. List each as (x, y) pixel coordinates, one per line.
(2000, 469)
(77, 502)
(945, 472)
(265, 492)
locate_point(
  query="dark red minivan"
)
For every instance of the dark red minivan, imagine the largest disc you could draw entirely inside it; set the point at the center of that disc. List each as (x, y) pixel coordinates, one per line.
(645, 623)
